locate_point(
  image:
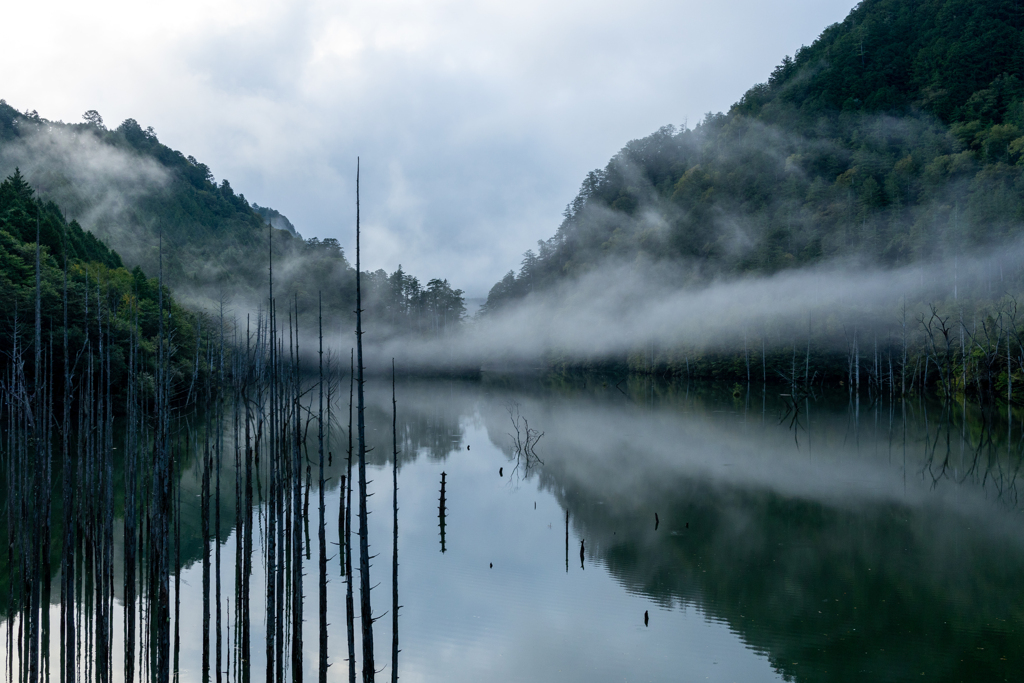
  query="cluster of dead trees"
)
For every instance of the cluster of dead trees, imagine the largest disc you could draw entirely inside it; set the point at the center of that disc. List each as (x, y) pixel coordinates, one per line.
(962, 348)
(77, 434)
(255, 389)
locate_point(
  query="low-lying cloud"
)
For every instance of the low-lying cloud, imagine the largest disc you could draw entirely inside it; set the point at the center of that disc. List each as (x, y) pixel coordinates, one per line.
(618, 309)
(93, 182)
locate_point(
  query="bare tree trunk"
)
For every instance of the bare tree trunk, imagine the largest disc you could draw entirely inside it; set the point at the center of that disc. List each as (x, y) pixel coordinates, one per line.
(441, 510)
(204, 514)
(366, 616)
(567, 541)
(394, 556)
(746, 355)
(68, 632)
(219, 421)
(177, 584)
(35, 418)
(349, 606)
(322, 532)
(272, 650)
(159, 545)
(903, 369)
(296, 567)
(244, 636)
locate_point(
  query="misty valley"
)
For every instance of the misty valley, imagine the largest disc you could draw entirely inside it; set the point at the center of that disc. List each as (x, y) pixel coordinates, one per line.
(753, 411)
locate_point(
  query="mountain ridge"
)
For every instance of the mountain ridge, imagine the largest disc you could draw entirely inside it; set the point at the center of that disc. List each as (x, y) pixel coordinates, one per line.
(160, 208)
(896, 136)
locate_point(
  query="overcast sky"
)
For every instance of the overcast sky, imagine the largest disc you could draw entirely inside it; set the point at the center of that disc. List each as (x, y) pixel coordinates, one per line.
(476, 120)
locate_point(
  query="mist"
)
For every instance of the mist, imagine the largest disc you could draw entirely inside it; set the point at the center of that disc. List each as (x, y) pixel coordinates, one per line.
(621, 308)
(627, 302)
(93, 182)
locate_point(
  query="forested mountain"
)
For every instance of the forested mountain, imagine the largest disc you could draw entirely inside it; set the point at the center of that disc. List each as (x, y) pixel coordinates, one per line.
(106, 303)
(132, 191)
(897, 136)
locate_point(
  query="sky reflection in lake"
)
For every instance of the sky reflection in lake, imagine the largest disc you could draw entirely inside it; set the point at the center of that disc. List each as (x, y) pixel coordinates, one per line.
(850, 545)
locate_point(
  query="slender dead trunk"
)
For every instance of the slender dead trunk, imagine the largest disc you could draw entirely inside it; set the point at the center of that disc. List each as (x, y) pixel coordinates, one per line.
(204, 515)
(177, 584)
(567, 541)
(68, 632)
(746, 355)
(271, 648)
(296, 592)
(38, 494)
(159, 543)
(394, 556)
(807, 358)
(366, 616)
(441, 511)
(244, 635)
(219, 422)
(322, 532)
(237, 382)
(131, 485)
(349, 606)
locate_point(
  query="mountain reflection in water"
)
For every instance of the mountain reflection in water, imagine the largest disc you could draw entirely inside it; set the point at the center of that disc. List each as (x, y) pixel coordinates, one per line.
(848, 541)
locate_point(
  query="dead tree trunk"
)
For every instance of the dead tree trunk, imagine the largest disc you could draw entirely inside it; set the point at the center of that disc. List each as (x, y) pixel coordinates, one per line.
(366, 616)
(322, 532)
(394, 556)
(349, 606)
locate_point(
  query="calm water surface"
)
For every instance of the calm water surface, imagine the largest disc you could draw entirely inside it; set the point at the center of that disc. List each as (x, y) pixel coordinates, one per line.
(842, 541)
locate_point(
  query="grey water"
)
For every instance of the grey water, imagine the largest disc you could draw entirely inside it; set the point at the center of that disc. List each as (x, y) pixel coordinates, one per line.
(715, 533)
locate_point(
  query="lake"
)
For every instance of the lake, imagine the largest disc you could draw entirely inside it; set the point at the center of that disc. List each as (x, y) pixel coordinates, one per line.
(649, 531)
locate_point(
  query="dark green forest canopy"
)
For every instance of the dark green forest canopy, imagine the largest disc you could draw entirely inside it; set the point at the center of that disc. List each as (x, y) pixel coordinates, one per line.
(97, 282)
(897, 136)
(22, 215)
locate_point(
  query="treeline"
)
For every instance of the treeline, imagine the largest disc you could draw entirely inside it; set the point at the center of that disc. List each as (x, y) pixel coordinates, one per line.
(398, 302)
(85, 290)
(965, 348)
(897, 136)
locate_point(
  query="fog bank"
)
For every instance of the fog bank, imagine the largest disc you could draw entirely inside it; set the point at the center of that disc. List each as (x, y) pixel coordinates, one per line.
(623, 308)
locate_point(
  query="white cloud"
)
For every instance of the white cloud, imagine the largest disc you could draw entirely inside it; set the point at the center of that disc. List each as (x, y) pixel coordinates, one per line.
(492, 111)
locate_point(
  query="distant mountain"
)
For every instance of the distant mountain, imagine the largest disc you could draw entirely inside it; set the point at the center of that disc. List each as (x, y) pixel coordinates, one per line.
(898, 135)
(135, 193)
(130, 189)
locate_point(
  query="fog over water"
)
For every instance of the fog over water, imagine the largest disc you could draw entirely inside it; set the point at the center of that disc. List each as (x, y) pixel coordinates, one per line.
(615, 309)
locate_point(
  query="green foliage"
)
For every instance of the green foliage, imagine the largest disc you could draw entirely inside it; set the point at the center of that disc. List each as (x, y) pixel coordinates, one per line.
(398, 303)
(897, 136)
(96, 279)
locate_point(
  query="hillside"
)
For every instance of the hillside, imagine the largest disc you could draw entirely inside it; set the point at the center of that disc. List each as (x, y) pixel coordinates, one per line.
(106, 303)
(132, 191)
(897, 136)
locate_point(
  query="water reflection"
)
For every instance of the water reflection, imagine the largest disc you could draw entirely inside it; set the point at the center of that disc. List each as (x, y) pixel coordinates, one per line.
(808, 537)
(441, 511)
(837, 560)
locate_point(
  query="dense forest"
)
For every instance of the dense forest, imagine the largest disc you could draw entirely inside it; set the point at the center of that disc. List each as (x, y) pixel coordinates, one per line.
(106, 303)
(897, 136)
(131, 191)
